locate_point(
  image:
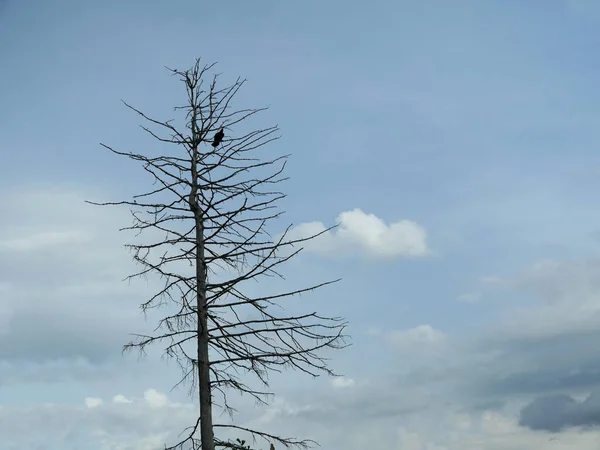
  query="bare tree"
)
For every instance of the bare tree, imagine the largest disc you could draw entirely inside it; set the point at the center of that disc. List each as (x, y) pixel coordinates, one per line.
(212, 202)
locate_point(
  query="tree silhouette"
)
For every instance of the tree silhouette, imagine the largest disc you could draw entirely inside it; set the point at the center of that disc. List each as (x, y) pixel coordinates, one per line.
(213, 204)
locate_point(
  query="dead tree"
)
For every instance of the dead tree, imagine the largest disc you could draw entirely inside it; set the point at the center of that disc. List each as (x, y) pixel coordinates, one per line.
(213, 204)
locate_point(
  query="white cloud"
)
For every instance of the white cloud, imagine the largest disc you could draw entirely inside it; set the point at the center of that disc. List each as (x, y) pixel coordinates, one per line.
(92, 402)
(121, 399)
(155, 399)
(342, 382)
(365, 234)
(423, 334)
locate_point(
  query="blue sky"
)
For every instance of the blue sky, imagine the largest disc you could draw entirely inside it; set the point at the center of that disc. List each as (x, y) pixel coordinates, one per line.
(454, 141)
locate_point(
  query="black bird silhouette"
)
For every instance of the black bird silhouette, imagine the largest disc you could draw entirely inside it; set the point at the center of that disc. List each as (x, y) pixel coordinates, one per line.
(219, 135)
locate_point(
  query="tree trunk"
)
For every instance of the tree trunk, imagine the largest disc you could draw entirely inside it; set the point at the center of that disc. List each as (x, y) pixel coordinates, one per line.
(204, 391)
(206, 423)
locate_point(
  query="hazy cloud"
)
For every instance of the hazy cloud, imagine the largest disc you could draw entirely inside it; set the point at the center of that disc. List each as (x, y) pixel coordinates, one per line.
(342, 382)
(423, 334)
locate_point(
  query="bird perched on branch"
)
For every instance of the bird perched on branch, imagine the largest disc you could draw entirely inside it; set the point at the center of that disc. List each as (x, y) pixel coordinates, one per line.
(219, 135)
(272, 447)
